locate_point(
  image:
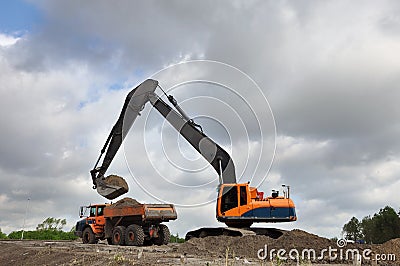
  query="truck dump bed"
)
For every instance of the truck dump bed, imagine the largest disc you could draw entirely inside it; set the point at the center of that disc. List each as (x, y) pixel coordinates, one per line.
(145, 212)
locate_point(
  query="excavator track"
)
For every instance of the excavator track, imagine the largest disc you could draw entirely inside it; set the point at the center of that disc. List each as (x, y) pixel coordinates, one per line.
(232, 231)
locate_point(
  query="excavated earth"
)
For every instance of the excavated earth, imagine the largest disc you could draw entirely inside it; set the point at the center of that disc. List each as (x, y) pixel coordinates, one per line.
(212, 250)
(125, 202)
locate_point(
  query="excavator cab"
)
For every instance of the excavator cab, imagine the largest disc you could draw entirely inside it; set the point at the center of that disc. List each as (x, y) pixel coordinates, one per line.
(239, 205)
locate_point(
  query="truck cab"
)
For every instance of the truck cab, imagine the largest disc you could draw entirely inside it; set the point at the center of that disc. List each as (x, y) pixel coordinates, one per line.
(93, 218)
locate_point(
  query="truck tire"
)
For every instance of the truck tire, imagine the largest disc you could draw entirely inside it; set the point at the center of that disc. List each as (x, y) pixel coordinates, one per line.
(88, 236)
(134, 235)
(163, 235)
(118, 235)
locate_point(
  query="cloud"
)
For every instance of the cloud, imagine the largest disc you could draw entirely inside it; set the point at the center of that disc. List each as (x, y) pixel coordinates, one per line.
(7, 40)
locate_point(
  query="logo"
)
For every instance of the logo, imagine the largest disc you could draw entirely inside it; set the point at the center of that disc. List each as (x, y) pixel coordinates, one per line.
(330, 253)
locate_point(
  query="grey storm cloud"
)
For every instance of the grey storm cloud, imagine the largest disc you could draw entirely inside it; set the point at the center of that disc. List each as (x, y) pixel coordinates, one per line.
(330, 71)
(128, 37)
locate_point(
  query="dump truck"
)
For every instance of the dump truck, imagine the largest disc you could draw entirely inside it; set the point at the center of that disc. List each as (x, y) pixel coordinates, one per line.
(126, 222)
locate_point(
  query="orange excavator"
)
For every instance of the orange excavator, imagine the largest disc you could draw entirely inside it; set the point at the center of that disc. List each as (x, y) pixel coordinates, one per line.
(238, 205)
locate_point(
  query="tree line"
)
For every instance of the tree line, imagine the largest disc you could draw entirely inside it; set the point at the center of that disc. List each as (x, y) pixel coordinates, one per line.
(376, 229)
(49, 229)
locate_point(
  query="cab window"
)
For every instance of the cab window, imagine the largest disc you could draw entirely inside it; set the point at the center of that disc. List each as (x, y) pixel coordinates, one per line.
(93, 211)
(243, 196)
(100, 211)
(229, 199)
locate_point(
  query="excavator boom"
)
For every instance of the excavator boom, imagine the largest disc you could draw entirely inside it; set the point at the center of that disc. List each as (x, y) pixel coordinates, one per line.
(212, 152)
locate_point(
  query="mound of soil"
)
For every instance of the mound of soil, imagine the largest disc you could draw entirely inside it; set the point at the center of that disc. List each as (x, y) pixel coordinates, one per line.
(212, 250)
(393, 244)
(301, 239)
(248, 246)
(389, 248)
(217, 246)
(125, 202)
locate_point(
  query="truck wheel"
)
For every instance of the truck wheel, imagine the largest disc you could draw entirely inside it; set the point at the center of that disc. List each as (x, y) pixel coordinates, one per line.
(134, 235)
(88, 236)
(118, 235)
(163, 235)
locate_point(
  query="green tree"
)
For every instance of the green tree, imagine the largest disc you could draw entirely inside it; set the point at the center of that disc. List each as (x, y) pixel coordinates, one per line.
(176, 239)
(382, 227)
(379, 228)
(368, 229)
(15, 235)
(2, 235)
(352, 229)
(50, 229)
(52, 224)
(387, 222)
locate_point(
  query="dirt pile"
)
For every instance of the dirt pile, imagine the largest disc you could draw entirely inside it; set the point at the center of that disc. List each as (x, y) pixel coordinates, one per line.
(295, 241)
(212, 250)
(248, 246)
(389, 248)
(298, 239)
(125, 202)
(217, 246)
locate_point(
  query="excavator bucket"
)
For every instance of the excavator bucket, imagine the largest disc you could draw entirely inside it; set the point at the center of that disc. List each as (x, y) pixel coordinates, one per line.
(111, 186)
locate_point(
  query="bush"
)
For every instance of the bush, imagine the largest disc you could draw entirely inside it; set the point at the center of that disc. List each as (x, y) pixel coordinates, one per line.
(43, 235)
(176, 239)
(2, 235)
(50, 229)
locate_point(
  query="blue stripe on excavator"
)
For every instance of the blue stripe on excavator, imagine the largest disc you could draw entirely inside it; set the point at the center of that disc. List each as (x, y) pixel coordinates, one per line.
(273, 213)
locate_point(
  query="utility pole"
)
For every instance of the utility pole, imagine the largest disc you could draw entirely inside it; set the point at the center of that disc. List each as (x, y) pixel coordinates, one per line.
(26, 214)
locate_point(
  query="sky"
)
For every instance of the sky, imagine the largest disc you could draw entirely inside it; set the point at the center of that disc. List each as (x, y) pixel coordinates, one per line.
(302, 93)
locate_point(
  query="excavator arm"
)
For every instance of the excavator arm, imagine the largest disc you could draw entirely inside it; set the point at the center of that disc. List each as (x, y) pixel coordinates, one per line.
(113, 186)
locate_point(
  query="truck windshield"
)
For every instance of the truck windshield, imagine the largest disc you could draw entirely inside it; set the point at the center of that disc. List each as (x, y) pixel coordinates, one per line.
(93, 211)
